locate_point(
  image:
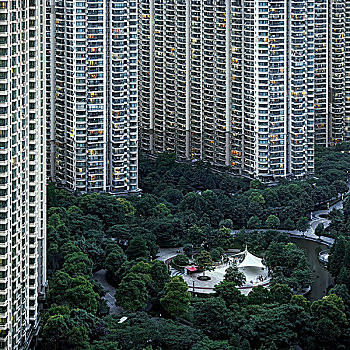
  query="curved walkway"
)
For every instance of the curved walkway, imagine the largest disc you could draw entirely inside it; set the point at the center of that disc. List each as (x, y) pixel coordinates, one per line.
(100, 276)
(310, 233)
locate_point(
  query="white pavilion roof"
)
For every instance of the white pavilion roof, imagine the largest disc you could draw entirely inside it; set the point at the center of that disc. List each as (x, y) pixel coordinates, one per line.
(251, 260)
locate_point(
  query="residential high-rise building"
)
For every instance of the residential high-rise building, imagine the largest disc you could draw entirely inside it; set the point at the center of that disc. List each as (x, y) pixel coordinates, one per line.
(321, 73)
(233, 83)
(22, 170)
(92, 94)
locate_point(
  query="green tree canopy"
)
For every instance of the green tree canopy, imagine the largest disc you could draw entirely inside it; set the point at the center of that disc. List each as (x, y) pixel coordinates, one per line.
(272, 221)
(176, 300)
(137, 248)
(232, 274)
(132, 293)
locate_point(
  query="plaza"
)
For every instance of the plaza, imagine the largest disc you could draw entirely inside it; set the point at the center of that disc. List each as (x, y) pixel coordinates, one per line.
(255, 271)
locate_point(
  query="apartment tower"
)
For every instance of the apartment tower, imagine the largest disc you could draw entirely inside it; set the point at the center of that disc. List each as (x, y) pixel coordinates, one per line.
(22, 170)
(92, 95)
(232, 82)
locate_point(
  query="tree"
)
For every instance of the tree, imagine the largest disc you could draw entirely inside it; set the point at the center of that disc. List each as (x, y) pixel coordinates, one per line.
(341, 186)
(162, 210)
(80, 294)
(276, 327)
(257, 197)
(106, 207)
(302, 224)
(300, 300)
(129, 209)
(289, 265)
(105, 345)
(232, 274)
(329, 320)
(216, 254)
(319, 230)
(180, 260)
(58, 285)
(55, 333)
(113, 262)
(132, 293)
(168, 231)
(256, 184)
(204, 260)
(137, 248)
(289, 224)
(281, 293)
(213, 318)
(177, 297)
(160, 275)
(78, 339)
(228, 223)
(76, 264)
(254, 222)
(337, 256)
(188, 250)
(259, 295)
(272, 221)
(195, 236)
(230, 294)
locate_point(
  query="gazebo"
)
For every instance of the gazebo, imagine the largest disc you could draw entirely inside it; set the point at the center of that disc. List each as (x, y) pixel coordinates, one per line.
(250, 260)
(252, 267)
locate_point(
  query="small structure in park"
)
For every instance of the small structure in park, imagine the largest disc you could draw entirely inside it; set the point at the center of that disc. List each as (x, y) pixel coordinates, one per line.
(191, 269)
(251, 266)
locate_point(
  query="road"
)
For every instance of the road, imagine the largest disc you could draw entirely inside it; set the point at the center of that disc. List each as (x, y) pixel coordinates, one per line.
(310, 233)
(100, 276)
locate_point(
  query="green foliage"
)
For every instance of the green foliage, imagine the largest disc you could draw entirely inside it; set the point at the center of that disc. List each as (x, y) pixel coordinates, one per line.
(176, 300)
(105, 345)
(254, 222)
(272, 222)
(216, 254)
(132, 293)
(213, 317)
(137, 248)
(289, 265)
(75, 292)
(192, 205)
(180, 260)
(281, 293)
(259, 296)
(302, 224)
(80, 294)
(319, 230)
(76, 264)
(55, 332)
(289, 224)
(259, 241)
(230, 294)
(232, 274)
(113, 263)
(204, 260)
(329, 319)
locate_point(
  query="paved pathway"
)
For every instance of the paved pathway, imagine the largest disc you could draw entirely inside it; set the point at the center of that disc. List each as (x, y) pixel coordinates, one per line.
(316, 219)
(100, 276)
(166, 253)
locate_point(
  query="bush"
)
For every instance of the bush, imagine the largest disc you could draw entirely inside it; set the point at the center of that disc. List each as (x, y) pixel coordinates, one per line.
(180, 260)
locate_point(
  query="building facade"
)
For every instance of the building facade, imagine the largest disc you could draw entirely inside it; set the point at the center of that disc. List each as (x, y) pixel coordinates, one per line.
(22, 170)
(232, 82)
(92, 95)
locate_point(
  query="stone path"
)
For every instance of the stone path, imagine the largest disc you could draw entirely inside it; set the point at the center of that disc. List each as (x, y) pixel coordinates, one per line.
(100, 276)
